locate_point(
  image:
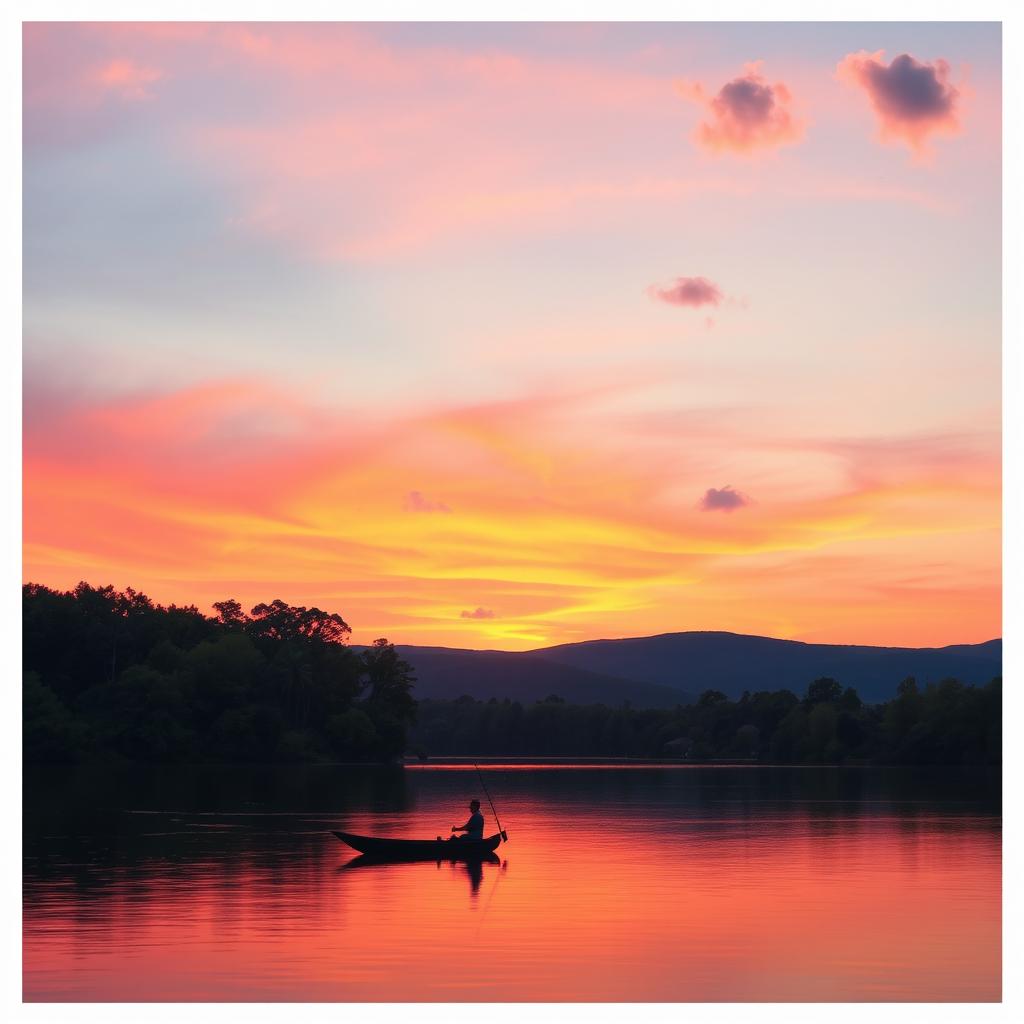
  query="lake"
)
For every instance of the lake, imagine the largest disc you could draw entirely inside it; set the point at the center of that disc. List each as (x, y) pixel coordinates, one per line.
(632, 883)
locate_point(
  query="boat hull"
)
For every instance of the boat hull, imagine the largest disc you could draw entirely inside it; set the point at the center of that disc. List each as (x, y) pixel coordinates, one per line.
(421, 849)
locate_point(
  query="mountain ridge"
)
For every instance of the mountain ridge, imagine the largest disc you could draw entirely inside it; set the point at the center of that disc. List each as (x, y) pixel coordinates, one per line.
(734, 662)
(747, 636)
(671, 668)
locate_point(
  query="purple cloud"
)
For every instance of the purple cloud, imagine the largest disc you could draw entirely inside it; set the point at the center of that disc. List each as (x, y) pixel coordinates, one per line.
(746, 115)
(693, 292)
(723, 499)
(478, 613)
(416, 501)
(911, 98)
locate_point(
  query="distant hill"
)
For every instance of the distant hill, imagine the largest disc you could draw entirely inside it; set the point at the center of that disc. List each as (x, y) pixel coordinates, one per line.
(732, 662)
(661, 671)
(444, 673)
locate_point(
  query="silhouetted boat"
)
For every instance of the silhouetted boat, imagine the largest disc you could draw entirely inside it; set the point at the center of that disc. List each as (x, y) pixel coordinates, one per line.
(421, 849)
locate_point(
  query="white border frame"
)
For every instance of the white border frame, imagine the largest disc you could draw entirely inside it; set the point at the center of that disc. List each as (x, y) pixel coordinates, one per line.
(1011, 14)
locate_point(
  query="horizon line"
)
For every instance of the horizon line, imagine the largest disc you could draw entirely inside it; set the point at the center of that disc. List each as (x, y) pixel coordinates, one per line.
(686, 632)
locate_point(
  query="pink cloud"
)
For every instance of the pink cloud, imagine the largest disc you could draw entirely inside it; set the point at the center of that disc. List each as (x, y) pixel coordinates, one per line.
(912, 100)
(306, 168)
(127, 79)
(723, 499)
(220, 441)
(318, 159)
(79, 84)
(478, 613)
(747, 114)
(416, 501)
(693, 292)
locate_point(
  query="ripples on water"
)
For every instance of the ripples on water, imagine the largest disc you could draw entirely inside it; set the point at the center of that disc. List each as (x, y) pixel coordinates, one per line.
(618, 883)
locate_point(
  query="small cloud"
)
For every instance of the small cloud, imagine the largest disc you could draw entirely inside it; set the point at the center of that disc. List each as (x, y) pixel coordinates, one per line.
(416, 501)
(127, 78)
(746, 114)
(478, 613)
(688, 291)
(723, 499)
(912, 99)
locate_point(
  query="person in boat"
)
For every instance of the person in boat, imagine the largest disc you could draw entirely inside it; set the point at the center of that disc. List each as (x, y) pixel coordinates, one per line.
(474, 828)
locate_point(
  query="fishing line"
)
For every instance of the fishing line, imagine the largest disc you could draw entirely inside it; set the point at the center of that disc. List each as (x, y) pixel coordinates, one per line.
(483, 785)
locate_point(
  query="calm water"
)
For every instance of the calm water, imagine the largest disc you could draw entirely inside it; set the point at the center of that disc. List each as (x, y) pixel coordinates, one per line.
(661, 883)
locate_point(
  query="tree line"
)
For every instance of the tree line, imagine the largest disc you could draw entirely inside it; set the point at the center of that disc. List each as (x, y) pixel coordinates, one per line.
(944, 723)
(111, 674)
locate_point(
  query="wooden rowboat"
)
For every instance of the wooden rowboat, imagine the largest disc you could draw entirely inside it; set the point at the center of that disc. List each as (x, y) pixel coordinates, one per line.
(421, 849)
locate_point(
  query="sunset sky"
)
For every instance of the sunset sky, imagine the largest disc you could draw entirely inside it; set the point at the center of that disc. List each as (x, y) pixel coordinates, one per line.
(499, 336)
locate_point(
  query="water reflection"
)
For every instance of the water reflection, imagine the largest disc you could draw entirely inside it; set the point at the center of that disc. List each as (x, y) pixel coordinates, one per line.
(473, 868)
(650, 884)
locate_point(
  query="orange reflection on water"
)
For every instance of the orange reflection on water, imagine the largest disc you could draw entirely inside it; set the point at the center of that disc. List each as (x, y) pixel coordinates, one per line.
(649, 893)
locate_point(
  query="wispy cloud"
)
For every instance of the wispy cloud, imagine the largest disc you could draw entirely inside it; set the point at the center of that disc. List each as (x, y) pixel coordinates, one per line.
(693, 292)
(568, 521)
(507, 194)
(477, 613)
(128, 79)
(416, 501)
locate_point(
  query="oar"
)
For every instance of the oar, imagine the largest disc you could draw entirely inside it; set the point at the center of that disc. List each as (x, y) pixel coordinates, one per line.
(501, 831)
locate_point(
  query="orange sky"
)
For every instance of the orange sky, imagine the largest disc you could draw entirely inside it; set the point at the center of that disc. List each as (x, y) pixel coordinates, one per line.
(513, 540)
(503, 337)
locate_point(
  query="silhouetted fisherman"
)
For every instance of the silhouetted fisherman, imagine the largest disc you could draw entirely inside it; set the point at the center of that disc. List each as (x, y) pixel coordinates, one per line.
(474, 828)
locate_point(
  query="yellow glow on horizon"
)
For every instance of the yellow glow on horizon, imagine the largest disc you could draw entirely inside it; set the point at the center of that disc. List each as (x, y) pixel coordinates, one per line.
(553, 545)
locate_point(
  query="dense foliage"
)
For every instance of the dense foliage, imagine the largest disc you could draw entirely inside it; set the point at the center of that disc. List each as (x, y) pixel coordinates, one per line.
(111, 674)
(945, 723)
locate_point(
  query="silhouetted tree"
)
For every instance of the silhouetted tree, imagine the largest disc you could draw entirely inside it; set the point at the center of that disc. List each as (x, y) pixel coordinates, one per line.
(281, 621)
(823, 690)
(389, 702)
(709, 698)
(111, 674)
(230, 614)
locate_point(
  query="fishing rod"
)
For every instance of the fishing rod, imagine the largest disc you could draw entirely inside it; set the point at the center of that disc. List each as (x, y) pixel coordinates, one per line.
(502, 832)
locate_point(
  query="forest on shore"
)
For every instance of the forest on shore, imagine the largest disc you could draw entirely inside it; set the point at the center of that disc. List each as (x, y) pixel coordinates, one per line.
(945, 723)
(111, 675)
